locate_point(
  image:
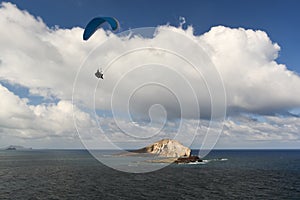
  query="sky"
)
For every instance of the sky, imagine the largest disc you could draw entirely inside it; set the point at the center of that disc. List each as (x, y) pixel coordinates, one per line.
(280, 19)
(248, 61)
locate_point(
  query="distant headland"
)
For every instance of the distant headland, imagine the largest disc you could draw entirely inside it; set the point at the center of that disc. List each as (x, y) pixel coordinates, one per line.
(15, 148)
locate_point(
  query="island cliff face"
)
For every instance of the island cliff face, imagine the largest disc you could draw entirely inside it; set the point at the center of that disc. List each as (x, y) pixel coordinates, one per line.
(166, 148)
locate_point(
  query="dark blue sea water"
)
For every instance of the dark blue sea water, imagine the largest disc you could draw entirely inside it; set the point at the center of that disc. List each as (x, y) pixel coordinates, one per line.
(74, 174)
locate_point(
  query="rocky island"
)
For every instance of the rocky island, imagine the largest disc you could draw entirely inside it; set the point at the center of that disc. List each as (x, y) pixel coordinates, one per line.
(170, 151)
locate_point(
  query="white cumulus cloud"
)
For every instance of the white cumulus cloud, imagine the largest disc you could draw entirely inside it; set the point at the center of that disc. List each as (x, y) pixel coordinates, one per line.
(46, 60)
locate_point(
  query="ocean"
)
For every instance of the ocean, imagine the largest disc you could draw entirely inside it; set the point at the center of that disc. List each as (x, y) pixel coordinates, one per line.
(225, 174)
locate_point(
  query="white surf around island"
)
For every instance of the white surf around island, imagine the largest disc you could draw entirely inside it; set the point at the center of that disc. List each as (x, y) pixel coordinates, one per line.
(206, 161)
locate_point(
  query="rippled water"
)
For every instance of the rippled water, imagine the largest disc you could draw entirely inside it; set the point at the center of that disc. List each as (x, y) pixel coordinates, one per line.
(74, 174)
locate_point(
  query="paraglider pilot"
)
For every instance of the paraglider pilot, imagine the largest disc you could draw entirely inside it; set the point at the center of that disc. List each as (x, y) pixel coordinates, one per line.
(99, 74)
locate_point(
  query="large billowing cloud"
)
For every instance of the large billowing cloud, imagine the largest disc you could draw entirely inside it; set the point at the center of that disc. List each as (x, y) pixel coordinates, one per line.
(45, 60)
(254, 80)
(18, 118)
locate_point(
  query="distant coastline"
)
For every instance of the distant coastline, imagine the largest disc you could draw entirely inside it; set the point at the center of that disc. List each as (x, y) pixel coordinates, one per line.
(16, 148)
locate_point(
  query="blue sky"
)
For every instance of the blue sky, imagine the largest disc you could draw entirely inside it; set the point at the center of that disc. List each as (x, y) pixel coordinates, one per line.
(279, 18)
(39, 62)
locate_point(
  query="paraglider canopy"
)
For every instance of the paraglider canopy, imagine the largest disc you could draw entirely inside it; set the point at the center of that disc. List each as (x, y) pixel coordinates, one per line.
(96, 23)
(99, 74)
